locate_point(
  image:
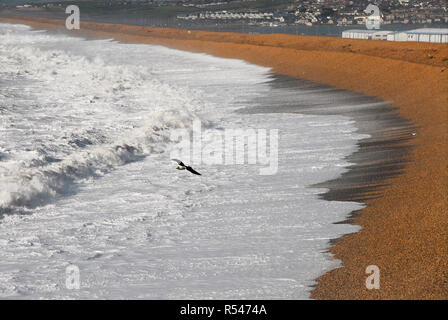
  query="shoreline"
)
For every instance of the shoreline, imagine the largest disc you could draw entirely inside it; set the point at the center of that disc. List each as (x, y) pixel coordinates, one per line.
(383, 155)
(405, 229)
(327, 30)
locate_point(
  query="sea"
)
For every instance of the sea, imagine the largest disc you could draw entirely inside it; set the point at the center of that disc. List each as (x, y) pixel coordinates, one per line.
(91, 203)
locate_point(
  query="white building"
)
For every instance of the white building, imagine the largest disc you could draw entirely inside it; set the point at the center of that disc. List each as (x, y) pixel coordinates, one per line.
(366, 34)
(434, 35)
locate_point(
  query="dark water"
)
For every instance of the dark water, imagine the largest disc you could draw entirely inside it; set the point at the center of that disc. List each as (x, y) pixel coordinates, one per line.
(317, 30)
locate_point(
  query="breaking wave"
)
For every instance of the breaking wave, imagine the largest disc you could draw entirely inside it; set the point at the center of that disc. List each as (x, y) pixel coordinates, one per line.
(34, 186)
(67, 117)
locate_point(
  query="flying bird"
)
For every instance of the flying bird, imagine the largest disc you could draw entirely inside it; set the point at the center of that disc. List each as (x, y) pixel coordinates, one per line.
(182, 166)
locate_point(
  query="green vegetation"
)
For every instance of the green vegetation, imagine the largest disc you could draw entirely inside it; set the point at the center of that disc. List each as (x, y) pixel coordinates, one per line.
(163, 9)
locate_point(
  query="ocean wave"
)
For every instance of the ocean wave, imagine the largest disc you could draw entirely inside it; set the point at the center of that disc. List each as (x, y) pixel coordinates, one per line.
(69, 116)
(34, 186)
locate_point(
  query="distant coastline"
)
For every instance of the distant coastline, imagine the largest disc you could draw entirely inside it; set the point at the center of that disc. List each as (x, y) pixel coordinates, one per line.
(126, 19)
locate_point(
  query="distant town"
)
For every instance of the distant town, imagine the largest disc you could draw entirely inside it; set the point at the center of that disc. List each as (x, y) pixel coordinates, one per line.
(336, 12)
(263, 12)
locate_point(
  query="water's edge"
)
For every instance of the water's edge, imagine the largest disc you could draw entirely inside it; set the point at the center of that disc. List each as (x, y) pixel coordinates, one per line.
(380, 157)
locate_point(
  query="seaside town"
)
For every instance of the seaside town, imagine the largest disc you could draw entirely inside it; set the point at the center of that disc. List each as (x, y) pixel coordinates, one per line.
(273, 13)
(336, 12)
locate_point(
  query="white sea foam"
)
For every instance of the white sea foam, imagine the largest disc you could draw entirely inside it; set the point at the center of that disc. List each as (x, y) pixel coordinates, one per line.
(84, 151)
(57, 102)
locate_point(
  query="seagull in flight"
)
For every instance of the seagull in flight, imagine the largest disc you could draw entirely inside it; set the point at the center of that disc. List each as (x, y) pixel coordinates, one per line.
(182, 166)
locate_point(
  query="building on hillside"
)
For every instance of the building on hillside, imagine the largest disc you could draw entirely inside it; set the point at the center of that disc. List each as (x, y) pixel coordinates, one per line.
(366, 34)
(433, 35)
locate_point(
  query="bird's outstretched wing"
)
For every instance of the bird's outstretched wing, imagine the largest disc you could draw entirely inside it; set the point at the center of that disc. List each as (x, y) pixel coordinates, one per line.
(192, 170)
(179, 162)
